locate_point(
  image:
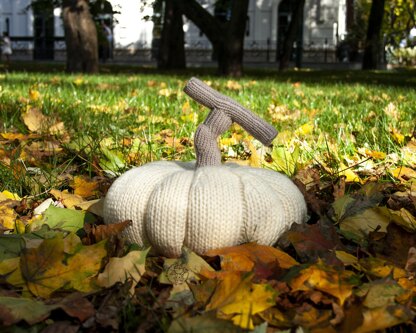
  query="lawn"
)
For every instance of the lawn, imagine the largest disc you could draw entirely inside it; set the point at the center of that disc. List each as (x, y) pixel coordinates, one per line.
(346, 138)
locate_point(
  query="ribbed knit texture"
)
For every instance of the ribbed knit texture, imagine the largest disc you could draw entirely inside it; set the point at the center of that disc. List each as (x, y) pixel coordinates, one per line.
(224, 112)
(174, 204)
(206, 205)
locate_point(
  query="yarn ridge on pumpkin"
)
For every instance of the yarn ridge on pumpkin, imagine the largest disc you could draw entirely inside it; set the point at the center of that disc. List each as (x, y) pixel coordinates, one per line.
(205, 205)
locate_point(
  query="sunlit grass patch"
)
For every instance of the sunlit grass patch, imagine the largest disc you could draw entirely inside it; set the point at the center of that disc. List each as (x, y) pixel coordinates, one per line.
(101, 125)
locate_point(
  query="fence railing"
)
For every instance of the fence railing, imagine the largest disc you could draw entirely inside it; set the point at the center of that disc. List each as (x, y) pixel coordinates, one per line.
(27, 48)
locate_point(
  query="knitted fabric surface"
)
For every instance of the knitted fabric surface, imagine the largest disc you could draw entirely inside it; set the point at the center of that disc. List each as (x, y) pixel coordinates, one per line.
(205, 205)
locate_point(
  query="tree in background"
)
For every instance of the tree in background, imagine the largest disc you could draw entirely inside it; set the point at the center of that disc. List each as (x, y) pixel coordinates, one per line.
(80, 33)
(171, 53)
(398, 19)
(226, 35)
(80, 37)
(293, 31)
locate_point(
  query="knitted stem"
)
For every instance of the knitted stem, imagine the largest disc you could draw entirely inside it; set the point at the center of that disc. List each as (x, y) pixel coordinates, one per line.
(224, 111)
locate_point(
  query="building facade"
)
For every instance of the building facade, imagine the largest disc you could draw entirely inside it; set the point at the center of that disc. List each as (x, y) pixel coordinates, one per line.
(39, 35)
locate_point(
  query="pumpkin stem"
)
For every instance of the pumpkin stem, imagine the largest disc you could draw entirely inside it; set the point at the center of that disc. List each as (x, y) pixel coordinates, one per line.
(224, 111)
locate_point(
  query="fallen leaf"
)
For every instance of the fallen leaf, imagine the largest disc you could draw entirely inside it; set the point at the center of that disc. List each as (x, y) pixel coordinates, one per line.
(34, 120)
(47, 269)
(403, 173)
(357, 227)
(411, 261)
(84, 186)
(382, 293)
(237, 296)
(324, 278)
(309, 317)
(77, 306)
(384, 317)
(11, 246)
(65, 219)
(93, 206)
(207, 323)
(13, 310)
(5, 195)
(7, 218)
(315, 241)
(97, 233)
(131, 267)
(245, 257)
(184, 269)
(69, 200)
(379, 268)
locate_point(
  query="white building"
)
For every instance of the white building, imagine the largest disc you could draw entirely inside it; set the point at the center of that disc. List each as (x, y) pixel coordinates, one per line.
(40, 35)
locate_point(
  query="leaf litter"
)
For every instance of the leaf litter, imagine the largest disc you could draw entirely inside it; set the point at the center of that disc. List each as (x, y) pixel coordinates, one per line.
(351, 268)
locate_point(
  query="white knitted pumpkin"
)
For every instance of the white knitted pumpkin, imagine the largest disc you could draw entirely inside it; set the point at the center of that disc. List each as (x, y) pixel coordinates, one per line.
(205, 205)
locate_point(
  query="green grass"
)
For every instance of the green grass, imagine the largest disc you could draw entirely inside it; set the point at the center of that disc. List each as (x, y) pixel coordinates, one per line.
(129, 116)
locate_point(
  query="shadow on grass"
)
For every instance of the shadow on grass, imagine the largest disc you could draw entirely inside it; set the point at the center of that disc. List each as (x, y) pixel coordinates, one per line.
(405, 78)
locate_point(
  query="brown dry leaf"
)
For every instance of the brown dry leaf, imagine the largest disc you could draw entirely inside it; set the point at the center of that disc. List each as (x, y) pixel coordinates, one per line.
(315, 241)
(324, 278)
(309, 317)
(244, 258)
(411, 261)
(97, 233)
(57, 128)
(34, 120)
(84, 186)
(77, 306)
(69, 200)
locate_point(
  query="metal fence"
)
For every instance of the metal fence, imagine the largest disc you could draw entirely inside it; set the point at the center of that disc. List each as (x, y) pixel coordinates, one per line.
(255, 51)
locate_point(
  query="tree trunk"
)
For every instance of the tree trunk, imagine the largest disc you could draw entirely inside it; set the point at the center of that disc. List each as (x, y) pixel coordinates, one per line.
(230, 62)
(227, 38)
(80, 37)
(373, 45)
(293, 31)
(172, 43)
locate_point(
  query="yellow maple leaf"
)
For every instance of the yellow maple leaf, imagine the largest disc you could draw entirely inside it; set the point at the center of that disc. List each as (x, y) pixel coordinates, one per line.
(237, 296)
(84, 187)
(350, 176)
(397, 136)
(403, 173)
(57, 264)
(165, 92)
(324, 278)
(233, 85)
(69, 200)
(34, 95)
(9, 195)
(305, 129)
(7, 217)
(78, 81)
(379, 155)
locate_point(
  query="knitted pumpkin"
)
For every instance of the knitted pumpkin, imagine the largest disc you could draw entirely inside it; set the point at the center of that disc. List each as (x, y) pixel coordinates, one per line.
(206, 205)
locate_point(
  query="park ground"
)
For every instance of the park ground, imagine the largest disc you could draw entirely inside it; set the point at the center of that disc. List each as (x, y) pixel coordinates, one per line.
(346, 138)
